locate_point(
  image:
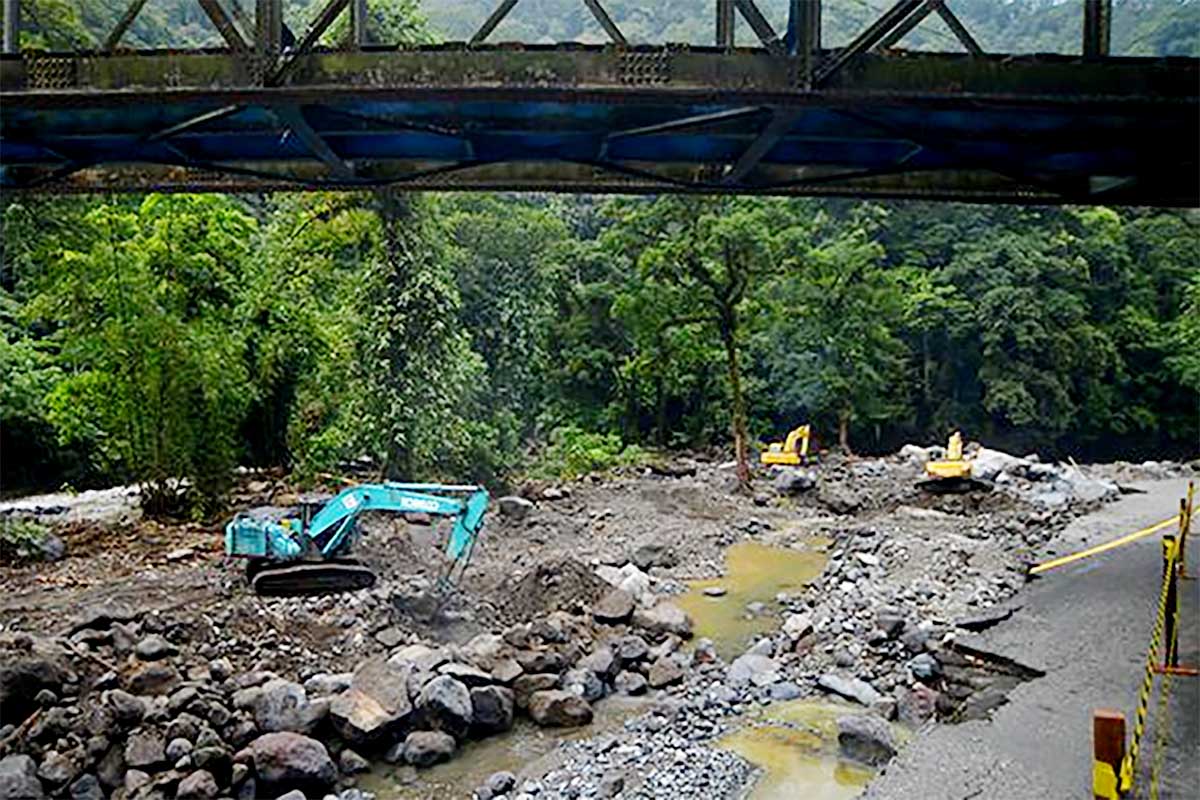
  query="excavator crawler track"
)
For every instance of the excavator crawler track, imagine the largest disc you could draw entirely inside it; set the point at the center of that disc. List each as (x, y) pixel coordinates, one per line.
(311, 578)
(952, 486)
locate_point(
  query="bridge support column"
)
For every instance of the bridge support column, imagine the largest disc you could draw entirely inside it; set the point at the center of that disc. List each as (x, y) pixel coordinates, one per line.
(1097, 28)
(725, 23)
(268, 26)
(12, 25)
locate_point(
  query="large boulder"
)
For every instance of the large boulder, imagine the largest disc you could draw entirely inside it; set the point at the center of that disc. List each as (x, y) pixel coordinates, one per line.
(491, 709)
(866, 738)
(200, 785)
(667, 670)
(556, 708)
(664, 617)
(284, 761)
(283, 706)
(793, 481)
(614, 608)
(849, 687)
(145, 749)
(653, 553)
(426, 748)
(18, 779)
(154, 678)
(376, 704)
(154, 648)
(753, 668)
(20, 682)
(445, 705)
(515, 507)
(525, 686)
(988, 463)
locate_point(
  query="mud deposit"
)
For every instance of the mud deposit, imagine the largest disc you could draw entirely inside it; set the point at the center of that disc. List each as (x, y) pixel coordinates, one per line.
(755, 573)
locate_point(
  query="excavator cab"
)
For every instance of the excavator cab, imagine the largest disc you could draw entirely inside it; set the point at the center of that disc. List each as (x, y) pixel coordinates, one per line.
(791, 452)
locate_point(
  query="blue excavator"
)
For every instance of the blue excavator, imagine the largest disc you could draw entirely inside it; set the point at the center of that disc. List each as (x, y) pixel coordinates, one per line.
(311, 553)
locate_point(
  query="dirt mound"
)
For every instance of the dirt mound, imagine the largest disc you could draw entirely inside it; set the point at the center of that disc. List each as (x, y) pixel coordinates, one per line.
(558, 584)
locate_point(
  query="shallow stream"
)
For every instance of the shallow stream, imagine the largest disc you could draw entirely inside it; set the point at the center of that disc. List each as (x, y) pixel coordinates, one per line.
(754, 573)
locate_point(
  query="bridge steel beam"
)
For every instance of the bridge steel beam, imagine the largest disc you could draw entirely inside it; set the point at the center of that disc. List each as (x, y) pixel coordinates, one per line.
(1097, 28)
(604, 119)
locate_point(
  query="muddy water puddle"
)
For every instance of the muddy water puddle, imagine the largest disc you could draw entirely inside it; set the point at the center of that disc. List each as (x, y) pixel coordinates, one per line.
(795, 745)
(754, 573)
(527, 750)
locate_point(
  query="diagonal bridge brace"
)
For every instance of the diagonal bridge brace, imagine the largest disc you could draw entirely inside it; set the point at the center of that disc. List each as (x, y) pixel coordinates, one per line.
(502, 11)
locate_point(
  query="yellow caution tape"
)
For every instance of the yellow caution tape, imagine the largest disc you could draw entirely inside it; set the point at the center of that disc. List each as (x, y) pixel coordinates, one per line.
(1103, 548)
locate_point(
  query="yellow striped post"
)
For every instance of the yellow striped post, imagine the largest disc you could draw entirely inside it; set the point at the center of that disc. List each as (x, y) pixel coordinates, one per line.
(1108, 751)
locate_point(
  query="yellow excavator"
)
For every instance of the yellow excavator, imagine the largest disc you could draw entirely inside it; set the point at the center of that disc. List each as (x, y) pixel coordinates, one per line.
(792, 452)
(952, 474)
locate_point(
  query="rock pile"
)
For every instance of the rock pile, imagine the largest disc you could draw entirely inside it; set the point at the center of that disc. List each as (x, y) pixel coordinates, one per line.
(128, 708)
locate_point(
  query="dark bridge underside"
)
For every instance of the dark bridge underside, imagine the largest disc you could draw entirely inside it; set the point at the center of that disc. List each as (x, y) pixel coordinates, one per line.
(1038, 129)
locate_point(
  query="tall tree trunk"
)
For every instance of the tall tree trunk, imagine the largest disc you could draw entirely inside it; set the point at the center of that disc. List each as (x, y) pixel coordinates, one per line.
(844, 431)
(729, 338)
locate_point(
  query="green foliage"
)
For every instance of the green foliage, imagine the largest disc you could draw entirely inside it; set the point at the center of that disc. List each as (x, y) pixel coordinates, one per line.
(153, 384)
(20, 539)
(573, 452)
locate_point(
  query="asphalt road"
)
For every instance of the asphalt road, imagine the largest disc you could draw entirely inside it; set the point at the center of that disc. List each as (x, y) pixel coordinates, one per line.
(1087, 625)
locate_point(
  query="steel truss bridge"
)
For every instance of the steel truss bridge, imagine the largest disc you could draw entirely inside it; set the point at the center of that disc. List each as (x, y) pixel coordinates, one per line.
(274, 110)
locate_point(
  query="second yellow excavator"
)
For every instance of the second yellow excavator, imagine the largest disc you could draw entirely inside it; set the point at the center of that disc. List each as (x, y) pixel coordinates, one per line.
(792, 452)
(952, 474)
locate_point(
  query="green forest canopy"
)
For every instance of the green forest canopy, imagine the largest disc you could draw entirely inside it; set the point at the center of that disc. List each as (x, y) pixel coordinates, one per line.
(155, 338)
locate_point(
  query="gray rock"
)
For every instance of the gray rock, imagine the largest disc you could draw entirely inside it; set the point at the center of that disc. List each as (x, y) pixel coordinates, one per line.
(584, 683)
(134, 780)
(154, 679)
(556, 708)
(294, 794)
(916, 706)
(753, 668)
(376, 704)
(666, 671)
(915, 639)
(600, 661)
(866, 738)
(58, 769)
(85, 787)
(445, 704)
(351, 763)
(465, 674)
(390, 637)
(653, 554)
(611, 785)
(629, 649)
(526, 685)
(797, 626)
(492, 709)
(328, 683)
(786, 690)
(501, 783)
(925, 667)
(283, 706)
(540, 661)
(178, 748)
(154, 648)
(287, 760)
(20, 681)
(715, 591)
(220, 669)
(849, 687)
(630, 683)
(200, 785)
(664, 617)
(506, 670)
(426, 748)
(793, 481)
(515, 507)
(145, 748)
(614, 608)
